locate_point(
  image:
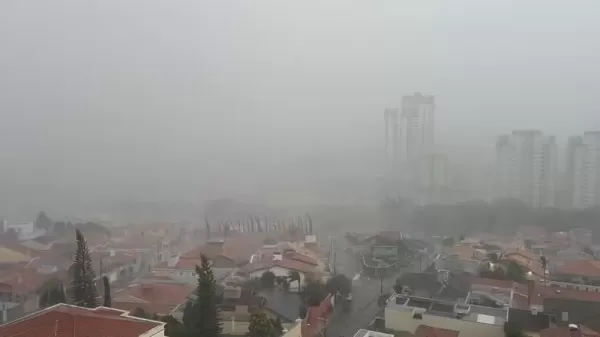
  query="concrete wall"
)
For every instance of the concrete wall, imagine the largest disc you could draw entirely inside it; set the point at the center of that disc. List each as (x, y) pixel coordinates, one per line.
(401, 319)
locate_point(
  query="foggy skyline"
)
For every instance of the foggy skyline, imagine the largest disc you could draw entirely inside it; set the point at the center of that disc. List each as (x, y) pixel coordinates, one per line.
(127, 99)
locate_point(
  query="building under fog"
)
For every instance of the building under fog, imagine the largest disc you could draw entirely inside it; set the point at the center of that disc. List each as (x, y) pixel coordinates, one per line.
(526, 168)
(582, 170)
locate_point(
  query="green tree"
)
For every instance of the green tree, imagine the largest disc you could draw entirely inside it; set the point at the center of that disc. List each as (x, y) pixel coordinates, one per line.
(107, 299)
(260, 326)
(82, 275)
(52, 293)
(267, 280)
(277, 327)
(339, 283)
(201, 316)
(43, 221)
(448, 242)
(141, 313)
(512, 329)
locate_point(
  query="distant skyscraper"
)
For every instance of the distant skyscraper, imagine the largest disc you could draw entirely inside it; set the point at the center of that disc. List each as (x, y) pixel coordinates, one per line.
(392, 129)
(526, 168)
(582, 171)
(418, 126)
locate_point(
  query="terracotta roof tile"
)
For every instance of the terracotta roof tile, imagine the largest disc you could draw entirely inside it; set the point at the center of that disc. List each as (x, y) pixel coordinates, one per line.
(586, 268)
(428, 331)
(286, 263)
(69, 321)
(160, 298)
(317, 318)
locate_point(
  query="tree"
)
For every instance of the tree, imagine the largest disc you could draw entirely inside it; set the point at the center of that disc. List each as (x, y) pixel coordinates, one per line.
(544, 262)
(277, 327)
(260, 326)
(52, 293)
(313, 293)
(43, 221)
(515, 272)
(448, 242)
(339, 283)
(141, 313)
(512, 329)
(267, 280)
(107, 299)
(172, 327)
(82, 275)
(201, 316)
(294, 276)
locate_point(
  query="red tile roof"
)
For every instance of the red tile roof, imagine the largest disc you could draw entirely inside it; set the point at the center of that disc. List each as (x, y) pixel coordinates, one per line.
(540, 293)
(586, 268)
(69, 321)
(238, 248)
(159, 298)
(285, 263)
(317, 318)
(428, 331)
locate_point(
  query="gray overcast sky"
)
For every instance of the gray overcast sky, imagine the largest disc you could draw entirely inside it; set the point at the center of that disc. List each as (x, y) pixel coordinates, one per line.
(151, 97)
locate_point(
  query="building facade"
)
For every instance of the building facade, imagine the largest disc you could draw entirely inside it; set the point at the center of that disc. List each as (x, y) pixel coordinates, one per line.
(582, 170)
(526, 168)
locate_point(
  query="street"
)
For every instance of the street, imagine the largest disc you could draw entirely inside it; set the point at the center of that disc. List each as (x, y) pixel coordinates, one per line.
(365, 294)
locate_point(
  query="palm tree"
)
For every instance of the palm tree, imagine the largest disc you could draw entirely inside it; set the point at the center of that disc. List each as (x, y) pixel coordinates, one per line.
(294, 276)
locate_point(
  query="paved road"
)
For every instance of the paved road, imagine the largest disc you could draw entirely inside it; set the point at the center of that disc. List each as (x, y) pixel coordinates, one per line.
(365, 293)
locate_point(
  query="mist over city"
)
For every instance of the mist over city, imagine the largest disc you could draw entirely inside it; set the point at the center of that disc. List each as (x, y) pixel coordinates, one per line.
(391, 144)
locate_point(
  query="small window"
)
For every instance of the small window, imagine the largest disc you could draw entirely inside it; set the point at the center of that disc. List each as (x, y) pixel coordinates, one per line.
(417, 315)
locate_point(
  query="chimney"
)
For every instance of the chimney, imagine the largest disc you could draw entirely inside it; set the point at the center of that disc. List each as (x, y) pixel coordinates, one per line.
(112, 252)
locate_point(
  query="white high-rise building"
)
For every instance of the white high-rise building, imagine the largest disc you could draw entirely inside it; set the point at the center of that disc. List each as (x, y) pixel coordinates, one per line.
(582, 174)
(526, 164)
(417, 127)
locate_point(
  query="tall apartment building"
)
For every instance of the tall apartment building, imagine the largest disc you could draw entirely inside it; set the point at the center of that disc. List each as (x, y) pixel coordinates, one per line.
(526, 163)
(582, 170)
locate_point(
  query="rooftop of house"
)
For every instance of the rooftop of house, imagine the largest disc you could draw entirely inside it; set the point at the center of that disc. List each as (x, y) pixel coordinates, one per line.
(431, 285)
(317, 318)
(237, 247)
(450, 309)
(10, 256)
(428, 331)
(583, 268)
(303, 265)
(464, 252)
(64, 320)
(283, 304)
(160, 298)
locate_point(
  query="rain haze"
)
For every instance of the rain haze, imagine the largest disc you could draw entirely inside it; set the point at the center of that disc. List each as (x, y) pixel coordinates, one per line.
(184, 101)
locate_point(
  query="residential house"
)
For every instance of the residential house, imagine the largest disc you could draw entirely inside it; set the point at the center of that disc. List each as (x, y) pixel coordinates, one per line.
(529, 261)
(408, 313)
(65, 320)
(441, 285)
(159, 298)
(224, 256)
(10, 257)
(584, 272)
(282, 264)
